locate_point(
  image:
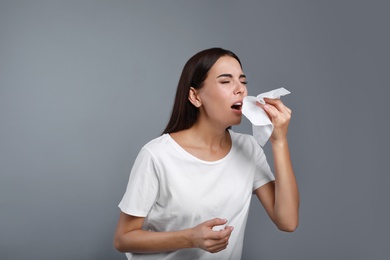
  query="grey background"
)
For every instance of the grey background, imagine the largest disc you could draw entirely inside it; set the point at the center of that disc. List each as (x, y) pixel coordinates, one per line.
(84, 84)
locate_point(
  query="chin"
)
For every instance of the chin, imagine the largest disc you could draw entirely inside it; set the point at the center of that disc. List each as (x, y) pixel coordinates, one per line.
(236, 122)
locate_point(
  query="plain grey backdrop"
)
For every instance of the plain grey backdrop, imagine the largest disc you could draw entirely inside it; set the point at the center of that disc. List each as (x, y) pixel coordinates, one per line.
(84, 84)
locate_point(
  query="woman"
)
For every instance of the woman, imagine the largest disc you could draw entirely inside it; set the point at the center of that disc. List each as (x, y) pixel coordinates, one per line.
(189, 190)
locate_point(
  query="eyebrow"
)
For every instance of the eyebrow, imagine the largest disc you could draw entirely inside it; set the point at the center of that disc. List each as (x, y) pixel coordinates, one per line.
(231, 76)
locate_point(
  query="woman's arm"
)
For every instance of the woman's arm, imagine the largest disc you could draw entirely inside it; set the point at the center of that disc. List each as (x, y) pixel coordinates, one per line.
(281, 197)
(129, 237)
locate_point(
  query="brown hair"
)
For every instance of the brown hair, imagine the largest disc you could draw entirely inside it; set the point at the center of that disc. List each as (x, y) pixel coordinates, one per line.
(184, 113)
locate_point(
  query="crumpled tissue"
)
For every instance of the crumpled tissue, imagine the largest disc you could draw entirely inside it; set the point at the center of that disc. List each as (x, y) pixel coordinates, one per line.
(261, 125)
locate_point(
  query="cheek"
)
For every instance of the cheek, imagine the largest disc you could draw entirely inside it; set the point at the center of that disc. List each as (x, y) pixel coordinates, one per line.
(214, 102)
(216, 95)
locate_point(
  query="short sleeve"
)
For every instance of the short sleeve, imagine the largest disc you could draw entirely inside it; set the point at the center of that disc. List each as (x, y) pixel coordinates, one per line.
(143, 186)
(263, 172)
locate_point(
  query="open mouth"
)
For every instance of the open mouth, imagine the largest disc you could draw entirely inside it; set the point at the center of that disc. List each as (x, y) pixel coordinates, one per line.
(237, 106)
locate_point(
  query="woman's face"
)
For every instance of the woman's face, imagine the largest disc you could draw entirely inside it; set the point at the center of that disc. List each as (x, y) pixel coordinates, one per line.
(222, 93)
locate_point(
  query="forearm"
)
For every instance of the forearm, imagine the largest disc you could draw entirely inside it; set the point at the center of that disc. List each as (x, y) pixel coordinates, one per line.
(286, 190)
(129, 237)
(141, 241)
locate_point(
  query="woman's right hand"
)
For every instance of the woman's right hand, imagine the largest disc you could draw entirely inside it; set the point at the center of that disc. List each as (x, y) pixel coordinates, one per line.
(204, 237)
(129, 237)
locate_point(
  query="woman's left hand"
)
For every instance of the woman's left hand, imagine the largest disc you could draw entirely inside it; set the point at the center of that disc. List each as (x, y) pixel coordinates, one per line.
(281, 197)
(279, 115)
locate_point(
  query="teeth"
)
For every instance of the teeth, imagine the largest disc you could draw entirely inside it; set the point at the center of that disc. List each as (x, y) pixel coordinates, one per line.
(238, 104)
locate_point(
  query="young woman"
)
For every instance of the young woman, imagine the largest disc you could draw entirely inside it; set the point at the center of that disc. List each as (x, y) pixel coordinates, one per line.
(189, 190)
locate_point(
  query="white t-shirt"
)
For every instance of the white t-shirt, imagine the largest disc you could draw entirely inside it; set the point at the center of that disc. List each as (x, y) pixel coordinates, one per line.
(174, 190)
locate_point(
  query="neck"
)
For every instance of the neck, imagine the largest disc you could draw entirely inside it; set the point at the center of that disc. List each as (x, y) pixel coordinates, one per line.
(204, 141)
(210, 136)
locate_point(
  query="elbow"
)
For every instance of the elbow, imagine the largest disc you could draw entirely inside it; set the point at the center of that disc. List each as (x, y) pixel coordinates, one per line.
(287, 222)
(288, 227)
(118, 245)
(123, 244)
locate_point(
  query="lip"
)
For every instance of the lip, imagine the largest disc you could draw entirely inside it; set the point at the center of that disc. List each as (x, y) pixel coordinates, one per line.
(238, 109)
(238, 101)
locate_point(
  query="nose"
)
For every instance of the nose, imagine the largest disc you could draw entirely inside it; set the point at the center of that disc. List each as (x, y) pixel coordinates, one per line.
(240, 88)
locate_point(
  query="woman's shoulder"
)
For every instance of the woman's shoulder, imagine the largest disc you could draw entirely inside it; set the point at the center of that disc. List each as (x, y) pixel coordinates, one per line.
(246, 144)
(157, 143)
(241, 137)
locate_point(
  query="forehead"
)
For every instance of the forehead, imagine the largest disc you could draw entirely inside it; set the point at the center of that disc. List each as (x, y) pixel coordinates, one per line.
(226, 64)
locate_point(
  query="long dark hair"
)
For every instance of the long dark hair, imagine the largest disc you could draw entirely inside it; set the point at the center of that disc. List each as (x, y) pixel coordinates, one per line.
(184, 113)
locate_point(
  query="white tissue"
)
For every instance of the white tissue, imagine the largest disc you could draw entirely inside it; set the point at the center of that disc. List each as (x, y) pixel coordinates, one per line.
(261, 125)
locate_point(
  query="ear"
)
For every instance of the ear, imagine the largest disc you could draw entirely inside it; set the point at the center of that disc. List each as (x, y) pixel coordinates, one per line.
(194, 98)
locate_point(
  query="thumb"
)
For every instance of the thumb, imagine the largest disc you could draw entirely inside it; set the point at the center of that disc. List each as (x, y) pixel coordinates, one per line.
(215, 222)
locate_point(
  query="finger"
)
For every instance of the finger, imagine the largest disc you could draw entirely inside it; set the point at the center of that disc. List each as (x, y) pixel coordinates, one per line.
(218, 248)
(215, 222)
(222, 234)
(279, 105)
(272, 111)
(220, 244)
(289, 110)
